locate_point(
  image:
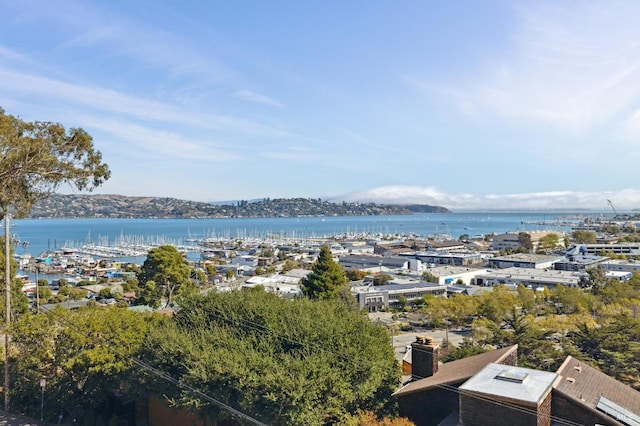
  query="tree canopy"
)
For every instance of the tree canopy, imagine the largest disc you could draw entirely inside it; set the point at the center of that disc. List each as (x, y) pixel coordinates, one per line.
(281, 361)
(326, 278)
(38, 157)
(163, 274)
(84, 355)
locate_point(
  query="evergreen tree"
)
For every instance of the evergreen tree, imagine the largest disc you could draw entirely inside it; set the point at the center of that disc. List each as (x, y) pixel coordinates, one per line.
(326, 279)
(283, 362)
(164, 274)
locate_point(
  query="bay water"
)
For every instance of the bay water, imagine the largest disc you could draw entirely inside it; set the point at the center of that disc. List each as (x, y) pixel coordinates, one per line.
(35, 236)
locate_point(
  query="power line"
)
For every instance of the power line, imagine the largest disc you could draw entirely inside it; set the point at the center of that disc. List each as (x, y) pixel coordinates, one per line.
(503, 404)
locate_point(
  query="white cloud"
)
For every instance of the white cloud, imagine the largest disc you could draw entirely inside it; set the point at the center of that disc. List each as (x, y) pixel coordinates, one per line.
(627, 199)
(576, 67)
(167, 144)
(250, 96)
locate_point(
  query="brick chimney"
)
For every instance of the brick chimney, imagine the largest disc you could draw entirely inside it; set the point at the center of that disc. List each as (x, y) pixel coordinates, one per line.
(424, 357)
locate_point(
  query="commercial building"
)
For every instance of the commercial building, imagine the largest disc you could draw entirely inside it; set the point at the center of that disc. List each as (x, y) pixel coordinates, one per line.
(524, 260)
(376, 298)
(512, 240)
(534, 278)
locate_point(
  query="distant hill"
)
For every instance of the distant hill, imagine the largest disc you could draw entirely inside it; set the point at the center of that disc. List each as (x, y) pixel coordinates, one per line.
(120, 206)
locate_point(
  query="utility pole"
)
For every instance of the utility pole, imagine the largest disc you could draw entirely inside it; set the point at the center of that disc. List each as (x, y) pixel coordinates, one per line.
(7, 280)
(37, 293)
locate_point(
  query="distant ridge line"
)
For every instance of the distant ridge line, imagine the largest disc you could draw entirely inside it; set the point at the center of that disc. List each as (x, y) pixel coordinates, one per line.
(121, 206)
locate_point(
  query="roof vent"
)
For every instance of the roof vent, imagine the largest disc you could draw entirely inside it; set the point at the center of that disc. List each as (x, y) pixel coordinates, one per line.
(571, 380)
(578, 368)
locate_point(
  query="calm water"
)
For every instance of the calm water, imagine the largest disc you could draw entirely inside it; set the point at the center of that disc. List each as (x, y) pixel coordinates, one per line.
(39, 235)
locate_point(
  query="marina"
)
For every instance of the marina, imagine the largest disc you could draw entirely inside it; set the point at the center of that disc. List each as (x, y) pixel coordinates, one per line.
(131, 239)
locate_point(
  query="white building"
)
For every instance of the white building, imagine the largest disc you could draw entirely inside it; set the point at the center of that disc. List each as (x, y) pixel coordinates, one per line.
(533, 278)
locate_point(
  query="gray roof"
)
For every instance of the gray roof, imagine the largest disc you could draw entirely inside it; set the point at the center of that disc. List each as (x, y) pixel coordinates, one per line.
(516, 384)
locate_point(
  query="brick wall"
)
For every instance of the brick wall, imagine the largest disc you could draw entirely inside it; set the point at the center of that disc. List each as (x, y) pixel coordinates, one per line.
(477, 411)
(428, 408)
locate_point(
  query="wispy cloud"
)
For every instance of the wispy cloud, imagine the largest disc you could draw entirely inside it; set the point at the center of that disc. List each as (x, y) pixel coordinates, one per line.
(162, 143)
(250, 96)
(576, 67)
(113, 102)
(625, 200)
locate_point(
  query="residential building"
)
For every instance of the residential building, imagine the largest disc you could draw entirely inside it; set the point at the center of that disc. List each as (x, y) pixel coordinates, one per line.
(373, 263)
(490, 389)
(454, 258)
(431, 395)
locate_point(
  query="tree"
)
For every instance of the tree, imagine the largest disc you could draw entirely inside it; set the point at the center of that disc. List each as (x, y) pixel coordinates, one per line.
(381, 279)
(289, 264)
(299, 362)
(37, 158)
(356, 274)
(549, 242)
(166, 267)
(85, 356)
(524, 239)
(368, 418)
(20, 303)
(326, 277)
(429, 277)
(580, 236)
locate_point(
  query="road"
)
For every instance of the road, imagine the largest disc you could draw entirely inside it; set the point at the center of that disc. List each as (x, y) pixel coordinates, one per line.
(401, 340)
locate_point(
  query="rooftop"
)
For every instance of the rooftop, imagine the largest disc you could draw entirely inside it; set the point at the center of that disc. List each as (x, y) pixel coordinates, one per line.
(456, 371)
(515, 384)
(588, 386)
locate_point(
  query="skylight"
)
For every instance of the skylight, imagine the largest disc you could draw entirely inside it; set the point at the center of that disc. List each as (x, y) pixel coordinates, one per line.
(617, 412)
(512, 375)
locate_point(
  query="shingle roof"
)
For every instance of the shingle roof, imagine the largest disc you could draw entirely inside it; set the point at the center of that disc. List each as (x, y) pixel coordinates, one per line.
(585, 385)
(456, 371)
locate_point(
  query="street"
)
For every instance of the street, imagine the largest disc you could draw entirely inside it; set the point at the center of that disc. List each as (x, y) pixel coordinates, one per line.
(401, 340)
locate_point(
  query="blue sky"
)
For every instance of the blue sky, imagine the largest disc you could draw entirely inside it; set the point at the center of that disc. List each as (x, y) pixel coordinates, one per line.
(467, 104)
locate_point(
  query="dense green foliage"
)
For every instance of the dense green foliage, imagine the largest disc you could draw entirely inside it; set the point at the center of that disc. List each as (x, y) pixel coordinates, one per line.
(281, 361)
(85, 356)
(326, 279)
(19, 302)
(164, 273)
(598, 324)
